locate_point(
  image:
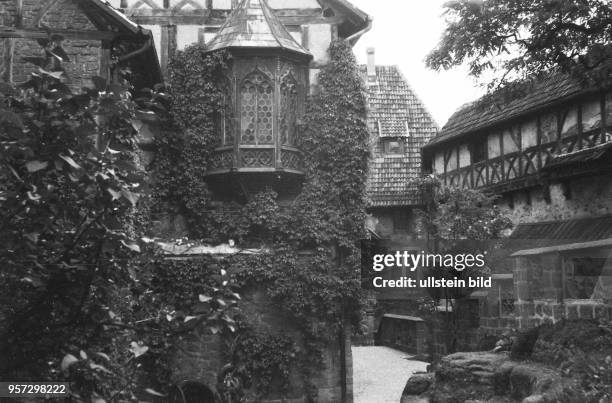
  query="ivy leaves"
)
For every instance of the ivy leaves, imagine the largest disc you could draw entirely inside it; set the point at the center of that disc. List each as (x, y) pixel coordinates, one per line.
(318, 286)
(68, 188)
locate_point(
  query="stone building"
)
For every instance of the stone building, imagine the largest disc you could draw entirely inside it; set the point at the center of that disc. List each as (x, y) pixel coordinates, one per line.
(546, 151)
(277, 48)
(96, 38)
(399, 126)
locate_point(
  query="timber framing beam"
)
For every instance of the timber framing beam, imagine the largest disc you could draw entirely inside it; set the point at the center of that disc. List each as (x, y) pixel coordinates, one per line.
(7, 32)
(203, 17)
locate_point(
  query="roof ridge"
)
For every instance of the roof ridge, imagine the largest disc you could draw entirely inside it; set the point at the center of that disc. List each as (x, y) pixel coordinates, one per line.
(530, 95)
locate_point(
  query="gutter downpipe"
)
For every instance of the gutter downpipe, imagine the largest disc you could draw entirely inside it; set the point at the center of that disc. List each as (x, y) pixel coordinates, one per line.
(352, 40)
(137, 52)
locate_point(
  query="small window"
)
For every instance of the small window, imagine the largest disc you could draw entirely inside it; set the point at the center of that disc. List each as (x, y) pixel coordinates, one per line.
(394, 146)
(478, 151)
(582, 273)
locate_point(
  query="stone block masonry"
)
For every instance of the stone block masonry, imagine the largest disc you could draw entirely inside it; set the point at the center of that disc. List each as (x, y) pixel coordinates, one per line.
(85, 55)
(8, 11)
(539, 312)
(199, 356)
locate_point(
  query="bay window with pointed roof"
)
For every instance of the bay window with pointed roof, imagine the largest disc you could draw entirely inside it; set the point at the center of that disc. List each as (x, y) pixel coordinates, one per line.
(265, 94)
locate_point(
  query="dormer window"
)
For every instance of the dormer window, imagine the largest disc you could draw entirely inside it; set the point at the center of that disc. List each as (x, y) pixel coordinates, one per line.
(393, 146)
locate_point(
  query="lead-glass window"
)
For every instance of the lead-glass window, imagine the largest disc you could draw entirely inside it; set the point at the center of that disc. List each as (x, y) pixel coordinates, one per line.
(289, 98)
(257, 98)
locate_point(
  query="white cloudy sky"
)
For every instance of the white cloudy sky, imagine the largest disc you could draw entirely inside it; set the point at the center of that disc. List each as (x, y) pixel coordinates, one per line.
(403, 33)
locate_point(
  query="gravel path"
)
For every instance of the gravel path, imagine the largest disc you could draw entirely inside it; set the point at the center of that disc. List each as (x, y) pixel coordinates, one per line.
(380, 374)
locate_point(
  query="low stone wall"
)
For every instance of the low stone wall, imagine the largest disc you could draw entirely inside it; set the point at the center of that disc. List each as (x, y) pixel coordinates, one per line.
(538, 312)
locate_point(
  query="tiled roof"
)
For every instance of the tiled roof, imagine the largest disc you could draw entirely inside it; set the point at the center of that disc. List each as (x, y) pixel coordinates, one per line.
(394, 110)
(486, 112)
(577, 229)
(253, 25)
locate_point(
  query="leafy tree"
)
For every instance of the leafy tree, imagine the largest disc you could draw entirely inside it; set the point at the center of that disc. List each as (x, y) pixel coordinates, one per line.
(517, 39)
(458, 221)
(79, 293)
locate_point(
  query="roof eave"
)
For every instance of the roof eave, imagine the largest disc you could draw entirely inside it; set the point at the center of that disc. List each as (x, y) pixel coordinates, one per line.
(306, 55)
(119, 18)
(510, 118)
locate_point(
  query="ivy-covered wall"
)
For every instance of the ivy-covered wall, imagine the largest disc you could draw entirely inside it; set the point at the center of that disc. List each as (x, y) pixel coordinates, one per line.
(301, 292)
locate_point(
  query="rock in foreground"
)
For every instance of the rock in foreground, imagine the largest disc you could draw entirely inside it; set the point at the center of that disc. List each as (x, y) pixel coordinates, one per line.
(490, 377)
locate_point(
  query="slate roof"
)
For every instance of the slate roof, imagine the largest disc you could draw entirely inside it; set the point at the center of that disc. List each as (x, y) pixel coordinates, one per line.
(395, 111)
(485, 112)
(253, 25)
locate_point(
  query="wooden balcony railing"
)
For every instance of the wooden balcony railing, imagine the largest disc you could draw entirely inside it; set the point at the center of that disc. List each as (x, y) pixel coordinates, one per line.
(524, 164)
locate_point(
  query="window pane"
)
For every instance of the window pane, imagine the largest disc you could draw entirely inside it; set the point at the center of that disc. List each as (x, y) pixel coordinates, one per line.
(394, 147)
(257, 98)
(583, 271)
(288, 110)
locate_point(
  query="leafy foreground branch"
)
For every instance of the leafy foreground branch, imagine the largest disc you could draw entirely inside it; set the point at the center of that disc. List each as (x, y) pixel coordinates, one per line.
(76, 288)
(514, 40)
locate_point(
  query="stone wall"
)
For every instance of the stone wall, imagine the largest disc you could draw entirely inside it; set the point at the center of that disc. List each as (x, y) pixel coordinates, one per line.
(582, 197)
(199, 356)
(85, 55)
(65, 14)
(8, 11)
(539, 298)
(538, 312)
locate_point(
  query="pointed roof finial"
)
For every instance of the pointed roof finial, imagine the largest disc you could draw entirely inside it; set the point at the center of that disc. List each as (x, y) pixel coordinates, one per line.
(253, 25)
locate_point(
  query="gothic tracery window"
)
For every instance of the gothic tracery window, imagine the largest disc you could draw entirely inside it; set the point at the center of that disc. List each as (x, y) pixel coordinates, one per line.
(257, 99)
(289, 105)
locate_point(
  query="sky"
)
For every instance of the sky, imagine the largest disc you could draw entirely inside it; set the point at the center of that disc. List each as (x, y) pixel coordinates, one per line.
(403, 33)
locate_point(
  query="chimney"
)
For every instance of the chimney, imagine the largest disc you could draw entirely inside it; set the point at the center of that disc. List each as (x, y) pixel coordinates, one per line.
(371, 64)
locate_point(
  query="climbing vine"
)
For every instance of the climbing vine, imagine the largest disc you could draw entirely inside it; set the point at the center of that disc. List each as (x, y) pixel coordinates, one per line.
(310, 267)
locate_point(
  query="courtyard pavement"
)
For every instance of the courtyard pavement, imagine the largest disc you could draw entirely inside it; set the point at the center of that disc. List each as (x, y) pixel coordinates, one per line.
(380, 374)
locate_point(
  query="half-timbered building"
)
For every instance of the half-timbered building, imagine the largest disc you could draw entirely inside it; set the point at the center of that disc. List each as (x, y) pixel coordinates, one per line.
(313, 24)
(547, 152)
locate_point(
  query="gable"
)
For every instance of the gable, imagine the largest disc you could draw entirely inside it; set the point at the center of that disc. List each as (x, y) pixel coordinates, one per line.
(64, 14)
